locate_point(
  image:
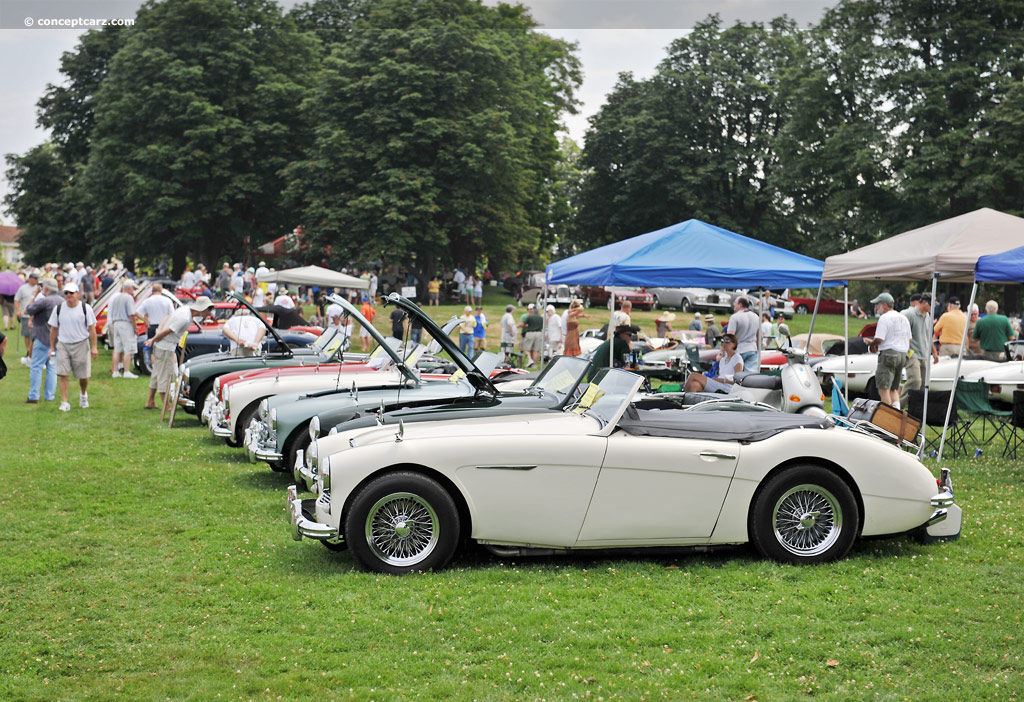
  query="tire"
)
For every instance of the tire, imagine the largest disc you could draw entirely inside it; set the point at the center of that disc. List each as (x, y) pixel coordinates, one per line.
(244, 417)
(685, 306)
(385, 507)
(300, 442)
(871, 390)
(802, 309)
(204, 390)
(782, 527)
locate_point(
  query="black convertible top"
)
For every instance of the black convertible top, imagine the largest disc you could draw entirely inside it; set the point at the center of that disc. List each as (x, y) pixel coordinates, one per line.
(716, 425)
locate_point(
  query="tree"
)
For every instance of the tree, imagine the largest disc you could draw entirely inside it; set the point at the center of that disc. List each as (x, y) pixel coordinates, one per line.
(194, 123)
(435, 137)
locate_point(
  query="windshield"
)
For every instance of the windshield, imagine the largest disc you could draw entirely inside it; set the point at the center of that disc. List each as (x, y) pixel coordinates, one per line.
(608, 395)
(329, 341)
(561, 376)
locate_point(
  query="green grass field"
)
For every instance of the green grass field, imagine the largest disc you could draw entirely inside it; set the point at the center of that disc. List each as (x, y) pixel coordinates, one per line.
(145, 563)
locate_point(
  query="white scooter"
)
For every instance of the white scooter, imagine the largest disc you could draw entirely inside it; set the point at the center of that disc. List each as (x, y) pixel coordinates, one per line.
(796, 390)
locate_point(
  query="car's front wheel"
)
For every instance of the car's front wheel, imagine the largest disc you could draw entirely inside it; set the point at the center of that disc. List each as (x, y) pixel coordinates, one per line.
(805, 514)
(685, 306)
(402, 523)
(802, 309)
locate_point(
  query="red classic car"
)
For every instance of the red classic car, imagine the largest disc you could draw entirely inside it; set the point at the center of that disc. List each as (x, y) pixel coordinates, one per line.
(804, 305)
(595, 296)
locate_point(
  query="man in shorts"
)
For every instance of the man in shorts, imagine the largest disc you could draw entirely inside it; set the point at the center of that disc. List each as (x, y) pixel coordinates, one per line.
(165, 342)
(533, 338)
(892, 341)
(73, 341)
(121, 319)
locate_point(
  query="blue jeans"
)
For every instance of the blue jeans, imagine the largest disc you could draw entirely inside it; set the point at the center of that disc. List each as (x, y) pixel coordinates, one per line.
(40, 360)
(466, 344)
(750, 362)
(415, 335)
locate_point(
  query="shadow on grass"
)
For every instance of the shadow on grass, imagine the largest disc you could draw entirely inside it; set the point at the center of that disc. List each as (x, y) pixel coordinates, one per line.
(261, 477)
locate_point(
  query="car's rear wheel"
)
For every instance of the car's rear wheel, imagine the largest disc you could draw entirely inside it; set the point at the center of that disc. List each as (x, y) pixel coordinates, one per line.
(802, 309)
(402, 523)
(299, 442)
(805, 514)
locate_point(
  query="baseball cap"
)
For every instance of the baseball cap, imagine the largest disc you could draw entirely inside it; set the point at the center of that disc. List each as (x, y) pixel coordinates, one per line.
(201, 304)
(626, 329)
(549, 308)
(70, 287)
(49, 283)
(531, 306)
(883, 297)
(467, 308)
(954, 301)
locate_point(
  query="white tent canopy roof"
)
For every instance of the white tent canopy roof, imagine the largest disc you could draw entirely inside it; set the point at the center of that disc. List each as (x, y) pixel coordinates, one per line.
(949, 248)
(315, 275)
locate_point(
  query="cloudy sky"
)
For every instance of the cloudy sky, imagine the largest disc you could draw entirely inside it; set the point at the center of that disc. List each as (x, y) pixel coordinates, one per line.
(613, 36)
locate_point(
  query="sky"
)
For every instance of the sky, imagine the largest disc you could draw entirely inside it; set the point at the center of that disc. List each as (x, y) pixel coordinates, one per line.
(613, 36)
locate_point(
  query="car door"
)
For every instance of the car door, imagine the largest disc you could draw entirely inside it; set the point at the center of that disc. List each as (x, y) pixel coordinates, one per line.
(532, 490)
(659, 490)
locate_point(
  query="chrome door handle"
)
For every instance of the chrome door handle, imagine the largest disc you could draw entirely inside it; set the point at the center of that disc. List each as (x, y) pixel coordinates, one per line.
(716, 454)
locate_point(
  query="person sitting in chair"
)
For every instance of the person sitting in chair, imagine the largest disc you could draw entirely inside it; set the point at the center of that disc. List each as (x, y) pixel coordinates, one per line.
(729, 363)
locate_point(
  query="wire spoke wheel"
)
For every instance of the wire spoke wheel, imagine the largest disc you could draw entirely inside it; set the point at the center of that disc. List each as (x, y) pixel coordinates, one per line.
(402, 529)
(807, 520)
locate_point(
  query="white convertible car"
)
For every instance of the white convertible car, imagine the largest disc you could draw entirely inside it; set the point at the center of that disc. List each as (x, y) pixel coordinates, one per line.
(613, 472)
(859, 372)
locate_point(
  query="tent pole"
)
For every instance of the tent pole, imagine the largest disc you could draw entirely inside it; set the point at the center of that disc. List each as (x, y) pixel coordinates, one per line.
(611, 333)
(760, 336)
(929, 324)
(814, 312)
(956, 375)
(544, 324)
(846, 351)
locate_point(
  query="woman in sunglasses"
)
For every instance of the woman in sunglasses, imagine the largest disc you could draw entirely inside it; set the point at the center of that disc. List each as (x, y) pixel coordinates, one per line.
(729, 363)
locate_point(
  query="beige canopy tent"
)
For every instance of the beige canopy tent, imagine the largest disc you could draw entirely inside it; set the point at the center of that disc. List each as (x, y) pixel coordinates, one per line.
(315, 275)
(948, 250)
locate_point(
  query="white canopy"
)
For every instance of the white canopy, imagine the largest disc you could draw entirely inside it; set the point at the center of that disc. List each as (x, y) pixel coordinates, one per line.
(949, 248)
(315, 275)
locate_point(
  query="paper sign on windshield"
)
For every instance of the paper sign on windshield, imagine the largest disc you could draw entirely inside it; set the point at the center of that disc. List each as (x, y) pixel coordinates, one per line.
(560, 382)
(457, 376)
(592, 395)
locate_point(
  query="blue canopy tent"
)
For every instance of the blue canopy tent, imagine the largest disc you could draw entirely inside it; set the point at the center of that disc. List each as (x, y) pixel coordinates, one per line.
(1006, 267)
(690, 253)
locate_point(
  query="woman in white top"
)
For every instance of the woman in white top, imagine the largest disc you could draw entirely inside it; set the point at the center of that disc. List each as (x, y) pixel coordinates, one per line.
(729, 363)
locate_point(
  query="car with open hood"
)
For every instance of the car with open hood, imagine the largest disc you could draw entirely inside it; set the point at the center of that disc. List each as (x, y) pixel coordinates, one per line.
(611, 471)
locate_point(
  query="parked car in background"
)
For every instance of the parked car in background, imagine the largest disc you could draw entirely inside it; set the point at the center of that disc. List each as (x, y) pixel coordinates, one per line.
(601, 295)
(827, 305)
(692, 299)
(772, 300)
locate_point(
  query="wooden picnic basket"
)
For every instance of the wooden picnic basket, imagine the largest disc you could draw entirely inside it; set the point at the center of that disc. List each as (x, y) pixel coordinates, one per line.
(893, 421)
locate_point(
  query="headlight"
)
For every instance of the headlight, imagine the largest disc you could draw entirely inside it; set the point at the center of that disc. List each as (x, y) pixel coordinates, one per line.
(273, 418)
(226, 398)
(314, 428)
(325, 472)
(262, 409)
(216, 387)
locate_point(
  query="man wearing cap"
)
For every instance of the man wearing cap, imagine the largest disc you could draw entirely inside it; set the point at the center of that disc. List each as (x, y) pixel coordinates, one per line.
(619, 346)
(949, 330)
(711, 332)
(165, 342)
(467, 323)
(39, 311)
(892, 341)
(22, 299)
(73, 341)
(921, 347)
(121, 319)
(696, 324)
(533, 328)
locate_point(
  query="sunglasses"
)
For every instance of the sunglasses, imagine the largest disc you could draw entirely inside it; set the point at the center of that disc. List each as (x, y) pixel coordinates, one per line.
(68, 293)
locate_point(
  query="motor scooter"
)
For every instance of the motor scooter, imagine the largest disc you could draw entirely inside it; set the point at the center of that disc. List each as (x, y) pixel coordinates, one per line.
(795, 390)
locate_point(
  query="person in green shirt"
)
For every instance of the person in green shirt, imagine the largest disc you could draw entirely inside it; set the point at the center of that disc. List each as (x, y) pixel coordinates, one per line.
(619, 346)
(993, 331)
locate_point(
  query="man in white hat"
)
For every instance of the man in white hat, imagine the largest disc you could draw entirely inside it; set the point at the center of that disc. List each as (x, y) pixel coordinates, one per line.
(121, 320)
(73, 341)
(164, 343)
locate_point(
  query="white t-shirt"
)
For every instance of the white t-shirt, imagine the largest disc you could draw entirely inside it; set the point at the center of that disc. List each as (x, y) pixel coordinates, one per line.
(188, 279)
(727, 366)
(554, 329)
(156, 308)
(121, 308)
(259, 298)
(619, 319)
(262, 272)
(894, 331)
(178, 322)
(284, 301)
(71, 324)
(245, 327)
(334, 312)
(508, 328)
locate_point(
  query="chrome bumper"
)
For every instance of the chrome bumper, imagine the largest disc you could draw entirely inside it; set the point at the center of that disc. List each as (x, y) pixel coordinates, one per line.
(302, 473)
(302, 525)
(220, 426)
(261, 443)
(207, 411)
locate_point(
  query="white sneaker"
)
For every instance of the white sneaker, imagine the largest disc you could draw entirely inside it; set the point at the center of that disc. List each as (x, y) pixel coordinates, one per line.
(27, 362)
(116, 374)
(64, 407)
(83, 401)
(128, 374)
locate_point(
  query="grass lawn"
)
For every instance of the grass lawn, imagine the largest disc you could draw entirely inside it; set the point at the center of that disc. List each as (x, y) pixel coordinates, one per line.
(144, 563)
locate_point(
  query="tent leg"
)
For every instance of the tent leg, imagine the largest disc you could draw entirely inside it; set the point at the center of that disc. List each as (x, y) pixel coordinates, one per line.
(929, 324)
(544, 324)
(611, 334)
(846, 351)
(956, 375)
(814, 312)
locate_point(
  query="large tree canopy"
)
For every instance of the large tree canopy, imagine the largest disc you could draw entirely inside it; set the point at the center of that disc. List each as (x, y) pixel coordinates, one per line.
(435, 136)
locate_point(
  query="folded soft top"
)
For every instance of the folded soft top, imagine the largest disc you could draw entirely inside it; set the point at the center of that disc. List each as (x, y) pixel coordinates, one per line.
(716, 425)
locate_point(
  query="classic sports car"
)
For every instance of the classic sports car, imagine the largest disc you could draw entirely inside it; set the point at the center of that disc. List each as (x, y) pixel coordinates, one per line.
(691, 299)
(1002, 378)
(610, 472)
(282, 427)
(859, 374)
(596, 296)
(805, 305)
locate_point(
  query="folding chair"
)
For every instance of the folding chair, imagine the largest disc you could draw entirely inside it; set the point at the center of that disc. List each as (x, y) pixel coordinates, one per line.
(1015, 427)
(956, 432)
(972, 401)
(839, 406)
